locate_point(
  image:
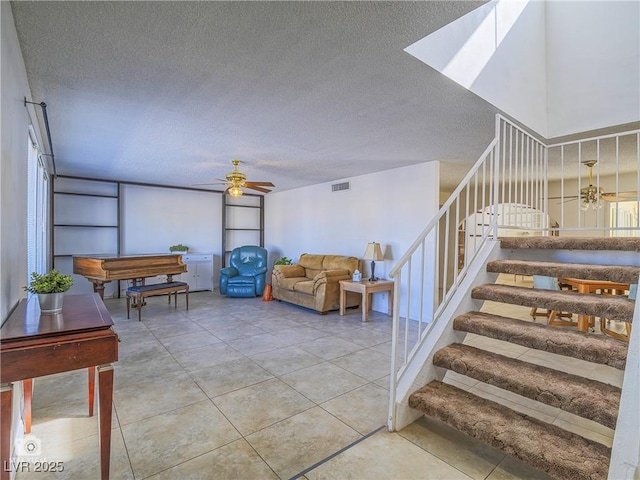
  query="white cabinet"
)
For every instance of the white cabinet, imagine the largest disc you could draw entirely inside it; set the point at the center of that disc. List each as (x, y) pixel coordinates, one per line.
(199, 273)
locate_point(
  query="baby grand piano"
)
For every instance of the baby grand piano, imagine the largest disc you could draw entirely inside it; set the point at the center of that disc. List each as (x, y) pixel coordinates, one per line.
(101, 269)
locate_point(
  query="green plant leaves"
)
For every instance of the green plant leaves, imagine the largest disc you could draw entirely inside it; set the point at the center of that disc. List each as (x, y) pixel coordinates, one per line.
(52, 282)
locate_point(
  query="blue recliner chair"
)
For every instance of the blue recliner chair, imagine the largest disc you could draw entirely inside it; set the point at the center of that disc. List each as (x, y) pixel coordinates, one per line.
(245, 277)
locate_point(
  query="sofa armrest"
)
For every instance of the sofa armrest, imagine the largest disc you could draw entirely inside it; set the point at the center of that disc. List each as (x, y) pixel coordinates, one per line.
(229, 271)
(329, 277)
(288, 271)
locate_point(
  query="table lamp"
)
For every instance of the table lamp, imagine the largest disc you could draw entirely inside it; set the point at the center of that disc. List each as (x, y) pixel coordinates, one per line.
(373, 253)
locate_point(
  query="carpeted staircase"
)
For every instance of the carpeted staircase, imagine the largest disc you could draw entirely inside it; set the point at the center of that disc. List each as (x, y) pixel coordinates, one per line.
(548, 448)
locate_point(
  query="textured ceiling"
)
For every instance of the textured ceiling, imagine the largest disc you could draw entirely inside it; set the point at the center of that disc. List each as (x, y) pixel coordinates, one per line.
(302, 92)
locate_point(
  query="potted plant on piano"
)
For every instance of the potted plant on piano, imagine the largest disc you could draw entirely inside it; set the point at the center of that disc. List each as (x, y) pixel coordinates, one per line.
(50, 289)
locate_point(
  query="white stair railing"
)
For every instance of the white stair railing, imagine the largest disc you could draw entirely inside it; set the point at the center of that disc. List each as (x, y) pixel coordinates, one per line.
(502, 190)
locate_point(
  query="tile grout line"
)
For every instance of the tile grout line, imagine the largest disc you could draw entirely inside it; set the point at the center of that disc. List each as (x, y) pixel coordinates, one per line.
(335, 454)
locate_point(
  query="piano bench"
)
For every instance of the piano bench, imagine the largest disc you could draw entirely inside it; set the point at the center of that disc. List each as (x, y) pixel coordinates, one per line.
(139, 292)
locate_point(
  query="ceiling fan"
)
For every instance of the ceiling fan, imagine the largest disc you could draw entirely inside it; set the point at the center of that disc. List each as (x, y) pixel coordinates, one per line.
(236, 181)
(591, 195)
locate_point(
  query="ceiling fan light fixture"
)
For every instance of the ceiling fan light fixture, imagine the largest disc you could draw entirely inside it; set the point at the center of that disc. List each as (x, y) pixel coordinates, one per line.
(591, 194)
(595, 205)
(235, 191)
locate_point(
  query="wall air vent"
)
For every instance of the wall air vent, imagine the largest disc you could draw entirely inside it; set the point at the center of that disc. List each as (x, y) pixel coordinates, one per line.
(336, 187)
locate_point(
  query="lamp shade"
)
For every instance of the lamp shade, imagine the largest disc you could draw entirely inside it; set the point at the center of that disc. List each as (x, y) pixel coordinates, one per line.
(373, 252)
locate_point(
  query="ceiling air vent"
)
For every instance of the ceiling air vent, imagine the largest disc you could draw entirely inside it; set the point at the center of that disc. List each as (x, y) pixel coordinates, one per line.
(336, 187)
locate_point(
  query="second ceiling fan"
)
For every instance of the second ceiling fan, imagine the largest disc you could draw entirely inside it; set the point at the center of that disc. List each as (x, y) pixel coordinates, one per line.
(592, 196)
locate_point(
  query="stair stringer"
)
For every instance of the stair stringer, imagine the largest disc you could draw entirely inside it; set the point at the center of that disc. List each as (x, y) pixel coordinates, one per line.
(421, 370)
(625, 451)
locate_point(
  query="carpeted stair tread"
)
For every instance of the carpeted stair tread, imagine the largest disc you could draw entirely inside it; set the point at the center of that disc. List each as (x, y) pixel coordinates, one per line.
(630, 244)
(600, 349)
(548, 448)
(611, 307)
(610, 273)
(587, 398)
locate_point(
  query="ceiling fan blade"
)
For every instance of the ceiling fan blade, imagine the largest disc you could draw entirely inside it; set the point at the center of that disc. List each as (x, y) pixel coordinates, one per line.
(572, 197)
(620, 196)
(218, 182)
(260, 184)
(567, 200)
(260, 189)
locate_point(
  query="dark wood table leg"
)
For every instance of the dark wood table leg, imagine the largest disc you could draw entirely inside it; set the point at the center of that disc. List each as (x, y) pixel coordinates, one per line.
(92, 388)
(105, 400)
(139, 305)
(583, 320)
(5, 430)
(27, 386)
(98, 287)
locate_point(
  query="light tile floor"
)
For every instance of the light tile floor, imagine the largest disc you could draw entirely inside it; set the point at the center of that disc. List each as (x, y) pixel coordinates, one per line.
(238, 388)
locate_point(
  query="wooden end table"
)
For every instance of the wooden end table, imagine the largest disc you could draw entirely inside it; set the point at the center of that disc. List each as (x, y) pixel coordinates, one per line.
(365, 288)
(34, 344)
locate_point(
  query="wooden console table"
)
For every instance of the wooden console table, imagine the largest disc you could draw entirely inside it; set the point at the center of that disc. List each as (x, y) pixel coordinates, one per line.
(366, 288)
(34, 344)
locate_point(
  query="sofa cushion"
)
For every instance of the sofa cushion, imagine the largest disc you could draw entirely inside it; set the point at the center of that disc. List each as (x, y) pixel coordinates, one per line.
(330, 276)
(288, 271)
(313, 262)
(339, 262)
(312, 273)
(290, 283)
(305, 286)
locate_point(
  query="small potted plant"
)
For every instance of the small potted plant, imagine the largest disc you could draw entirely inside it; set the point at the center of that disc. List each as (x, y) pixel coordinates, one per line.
(283, 261)
(179, 248)
(50, 289)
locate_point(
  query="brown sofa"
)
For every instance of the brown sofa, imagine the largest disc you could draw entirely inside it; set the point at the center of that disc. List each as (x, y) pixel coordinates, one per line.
(313, 281)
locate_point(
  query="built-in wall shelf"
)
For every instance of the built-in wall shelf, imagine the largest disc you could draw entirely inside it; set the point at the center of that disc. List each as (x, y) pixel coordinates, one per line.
(86, 194)
(243, 206)
(86, 221)
(84, 226)
(242, 223)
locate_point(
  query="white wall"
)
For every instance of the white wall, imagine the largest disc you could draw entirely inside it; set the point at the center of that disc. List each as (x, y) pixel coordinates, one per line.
(155, 218)
(593, 65)
(14, 128)
(13, 182)
(391, 207)
(498, 51)
(559, 67)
